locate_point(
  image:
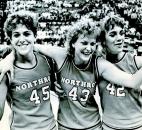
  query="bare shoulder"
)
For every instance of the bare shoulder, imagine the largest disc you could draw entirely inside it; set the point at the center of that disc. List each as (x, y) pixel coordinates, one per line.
(55, 52)
(104, 65)
(101, 65)
(102, 62)
(60, 54)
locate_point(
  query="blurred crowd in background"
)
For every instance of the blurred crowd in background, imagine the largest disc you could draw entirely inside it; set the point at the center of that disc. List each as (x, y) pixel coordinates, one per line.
(56, 16)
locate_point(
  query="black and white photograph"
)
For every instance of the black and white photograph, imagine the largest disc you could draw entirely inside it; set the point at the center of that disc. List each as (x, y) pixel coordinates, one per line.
(70, 64)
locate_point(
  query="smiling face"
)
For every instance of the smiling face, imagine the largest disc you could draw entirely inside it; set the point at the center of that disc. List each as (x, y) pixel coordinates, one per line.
(22, 40)
(114, 40)
(84, 48)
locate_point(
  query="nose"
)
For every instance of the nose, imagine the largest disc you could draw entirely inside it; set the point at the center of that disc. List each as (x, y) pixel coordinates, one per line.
(120, 37)
(22, 39)
(88, 47)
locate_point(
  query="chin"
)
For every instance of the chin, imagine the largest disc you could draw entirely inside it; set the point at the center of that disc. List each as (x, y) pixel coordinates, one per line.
(86, 59)
(23, 53)
(118, 50)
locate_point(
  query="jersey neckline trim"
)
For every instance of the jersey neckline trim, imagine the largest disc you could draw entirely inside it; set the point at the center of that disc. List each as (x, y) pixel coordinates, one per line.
(31, 67)
(136, 62)
(119, 59)
(88, 64)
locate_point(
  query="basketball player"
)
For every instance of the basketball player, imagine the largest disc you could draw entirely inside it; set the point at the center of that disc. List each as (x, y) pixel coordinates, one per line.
(77, 77)
(28, 94)
(121, 106)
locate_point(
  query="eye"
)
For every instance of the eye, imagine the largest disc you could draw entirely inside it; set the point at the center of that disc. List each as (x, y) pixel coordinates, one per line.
(84, 43)
(27, 33)
(122, 32)
(16, 35)
(92, 43)
(112, 34)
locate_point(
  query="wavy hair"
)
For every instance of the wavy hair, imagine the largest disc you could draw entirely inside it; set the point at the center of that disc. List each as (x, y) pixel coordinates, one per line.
(27, 18)
(108, 23)
(84, 27)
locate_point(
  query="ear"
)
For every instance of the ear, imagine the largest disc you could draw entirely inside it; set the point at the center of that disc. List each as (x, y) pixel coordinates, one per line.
(103, 44)
(73, 45)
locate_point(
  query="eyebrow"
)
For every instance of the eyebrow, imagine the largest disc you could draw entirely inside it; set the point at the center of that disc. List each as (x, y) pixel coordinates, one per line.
(112, 32)
(15, 32)
(84, 41)
(24, 31)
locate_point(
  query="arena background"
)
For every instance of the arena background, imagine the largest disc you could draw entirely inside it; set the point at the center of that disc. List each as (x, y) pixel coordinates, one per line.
(56, 16)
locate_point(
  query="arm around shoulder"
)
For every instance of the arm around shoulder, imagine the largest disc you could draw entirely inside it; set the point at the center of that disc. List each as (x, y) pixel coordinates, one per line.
(6, 65)
(55, 52)
(49, 50)
(114, 75)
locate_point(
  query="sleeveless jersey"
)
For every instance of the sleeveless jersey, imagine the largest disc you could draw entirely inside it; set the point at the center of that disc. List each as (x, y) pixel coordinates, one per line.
(121, 106)
(29, 97)
(77, 109)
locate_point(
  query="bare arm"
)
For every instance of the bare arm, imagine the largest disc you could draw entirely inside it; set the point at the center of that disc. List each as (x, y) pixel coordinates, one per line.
(114, 75)
(52, 51)
(3, 93)
(57, 53)
(7, 65)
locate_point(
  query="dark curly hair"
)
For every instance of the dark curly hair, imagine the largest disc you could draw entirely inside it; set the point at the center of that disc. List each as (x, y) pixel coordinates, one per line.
(27, 18)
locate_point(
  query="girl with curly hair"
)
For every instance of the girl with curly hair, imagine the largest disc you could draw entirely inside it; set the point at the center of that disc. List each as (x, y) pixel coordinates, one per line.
(28, 93)
(77, 67)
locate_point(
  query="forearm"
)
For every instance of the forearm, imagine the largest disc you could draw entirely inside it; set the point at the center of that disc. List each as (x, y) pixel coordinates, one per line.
(136, 80)
(6, 65)
(127, 80)
(51, 51)
(116, 76)
(41, 48)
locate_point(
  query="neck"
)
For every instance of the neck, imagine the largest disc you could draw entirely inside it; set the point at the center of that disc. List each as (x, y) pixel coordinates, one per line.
(114, 57)
(25, 61)
(81, 64)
